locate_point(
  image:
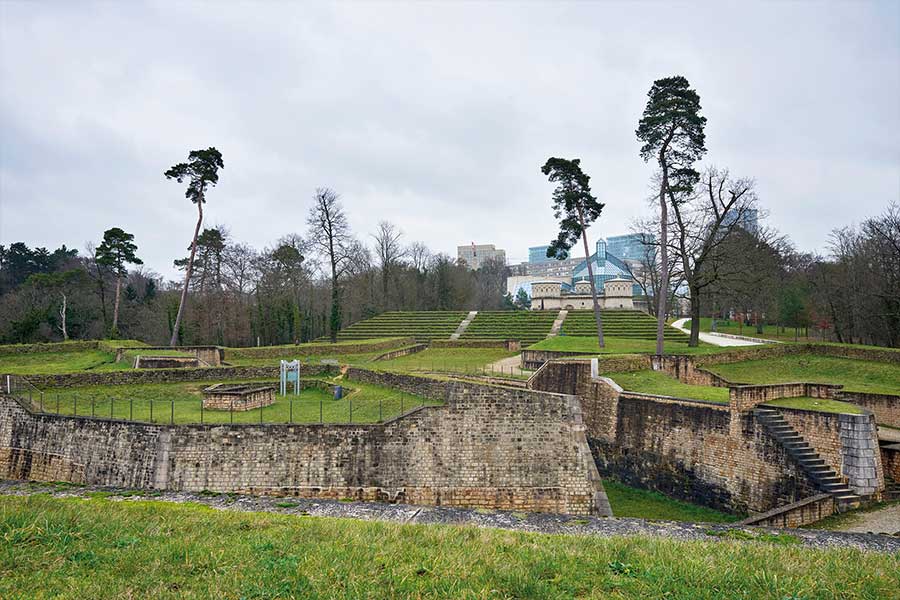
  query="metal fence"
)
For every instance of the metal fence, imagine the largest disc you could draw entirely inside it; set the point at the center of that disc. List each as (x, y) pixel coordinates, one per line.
(310, 406)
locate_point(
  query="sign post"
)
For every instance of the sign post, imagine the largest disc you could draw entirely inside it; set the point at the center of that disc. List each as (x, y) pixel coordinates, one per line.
(290, 371)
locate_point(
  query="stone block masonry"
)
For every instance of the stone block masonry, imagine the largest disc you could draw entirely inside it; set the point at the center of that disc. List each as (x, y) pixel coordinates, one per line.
(487, 446)
(240, 398)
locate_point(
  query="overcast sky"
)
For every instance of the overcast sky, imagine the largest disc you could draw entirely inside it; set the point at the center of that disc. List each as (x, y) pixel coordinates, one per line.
(435, 116)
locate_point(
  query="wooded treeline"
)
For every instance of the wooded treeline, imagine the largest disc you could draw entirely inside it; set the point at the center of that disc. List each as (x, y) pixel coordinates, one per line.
(238, 295)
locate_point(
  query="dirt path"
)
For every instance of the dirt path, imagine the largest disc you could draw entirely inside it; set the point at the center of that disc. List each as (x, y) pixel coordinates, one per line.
(511, 365)
(716, 339)
(883, 520)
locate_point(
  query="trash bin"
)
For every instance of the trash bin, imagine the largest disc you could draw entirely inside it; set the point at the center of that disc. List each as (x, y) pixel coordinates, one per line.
(338, 392)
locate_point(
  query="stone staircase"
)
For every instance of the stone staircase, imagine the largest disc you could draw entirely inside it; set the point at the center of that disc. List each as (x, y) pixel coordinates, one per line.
(462, 326)
(825, 478)
(558, 323)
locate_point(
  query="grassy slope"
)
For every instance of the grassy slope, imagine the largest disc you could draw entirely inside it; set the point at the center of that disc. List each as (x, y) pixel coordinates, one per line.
(59, 548)
(819, 404)
(634, 502)
(445, 359)
(612, 345)
(60, 362)
(655, 382)
(770, 332)
(855, 375)
(369, 402)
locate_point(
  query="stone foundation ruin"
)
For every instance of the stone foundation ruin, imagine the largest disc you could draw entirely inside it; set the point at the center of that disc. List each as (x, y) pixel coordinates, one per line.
(238, 397)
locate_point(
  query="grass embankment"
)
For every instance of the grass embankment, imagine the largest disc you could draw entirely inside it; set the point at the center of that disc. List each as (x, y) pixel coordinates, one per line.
(346, 359)
(181, 403)
(614, 345)
(656, 382)
(446, 360)
(60, 362)
(53, 547)
(769, 332)
(627, 501)
(854, 375)
(818, 404)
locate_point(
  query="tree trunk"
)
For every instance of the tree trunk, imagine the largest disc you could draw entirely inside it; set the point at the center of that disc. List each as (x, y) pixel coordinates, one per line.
(694, 340)
(587, 257)
(187, 275)
(115, 324)
(663, 291)
(62, 317)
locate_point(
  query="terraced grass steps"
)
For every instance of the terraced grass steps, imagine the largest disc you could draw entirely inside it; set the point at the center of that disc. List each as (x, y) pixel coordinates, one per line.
(618, 323)
(527, 326)
(421, 325)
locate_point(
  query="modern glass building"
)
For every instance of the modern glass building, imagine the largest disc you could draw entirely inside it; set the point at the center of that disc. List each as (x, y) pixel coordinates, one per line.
(538, 254)
(628, 247)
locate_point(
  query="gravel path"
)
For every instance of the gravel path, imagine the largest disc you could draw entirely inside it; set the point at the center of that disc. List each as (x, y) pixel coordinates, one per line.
(531, 522)
(883, 520)
(715, 339)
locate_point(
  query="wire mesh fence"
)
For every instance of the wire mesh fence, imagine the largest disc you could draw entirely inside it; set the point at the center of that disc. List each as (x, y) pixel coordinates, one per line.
(310, 406)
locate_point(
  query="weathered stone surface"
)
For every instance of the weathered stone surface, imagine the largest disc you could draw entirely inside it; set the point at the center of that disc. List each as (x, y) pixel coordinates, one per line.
(487, 446)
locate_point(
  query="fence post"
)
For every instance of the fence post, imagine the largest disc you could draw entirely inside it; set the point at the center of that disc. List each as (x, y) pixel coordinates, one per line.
(57, 402)
(151, 410)
(401, 403)
(110, 407)
(321, 420)
(42, 401)
(291, 413)
(74, 405)
(351, 410)
(379, 410)
(172, 418)
(231, 412)
(131, 409)
(201, 411)
(260, 415)
(92, 407)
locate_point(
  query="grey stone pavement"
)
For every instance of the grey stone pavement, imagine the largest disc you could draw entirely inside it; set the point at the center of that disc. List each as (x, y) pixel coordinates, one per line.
(507, 520)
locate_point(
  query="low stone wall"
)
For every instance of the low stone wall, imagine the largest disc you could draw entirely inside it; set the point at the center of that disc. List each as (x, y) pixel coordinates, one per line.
(796, 514)
(169, 375)
(401, 352)
(433, 389)
(489, 447)
(317, 349)
(745, 397)
(209, 356)
(886, 407)
(684, 369)
(535, 359)
(568, 374)
(24, 463)
(238, 398)
(890, 460)
(510, 345)
(166, 362)
(848, 443)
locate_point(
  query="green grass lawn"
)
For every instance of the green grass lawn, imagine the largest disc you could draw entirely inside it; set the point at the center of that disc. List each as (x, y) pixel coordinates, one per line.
(60, 362)
(348, 359)
(855, 375)
(645, 504)
(656, 382)
(445, 360)
(819, 404)
(613, 345)
(770, 332)
(181, 403)
(58, 548)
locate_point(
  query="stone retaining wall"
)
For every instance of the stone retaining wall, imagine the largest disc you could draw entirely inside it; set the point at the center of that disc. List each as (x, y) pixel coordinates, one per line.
(433, 389)
(210, 356)
(487, 446)
(566, 374)
(169, 375)
(796, 514)
(885, 406)
(166, 362)
(317, 349)
(510, 345)
(745, 397)
(401, 352)
(890, 460)
(77, 346)
(684, 369)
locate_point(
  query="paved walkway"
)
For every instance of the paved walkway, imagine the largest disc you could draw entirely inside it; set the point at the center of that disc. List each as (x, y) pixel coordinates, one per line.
(716, 339)
(498, 519)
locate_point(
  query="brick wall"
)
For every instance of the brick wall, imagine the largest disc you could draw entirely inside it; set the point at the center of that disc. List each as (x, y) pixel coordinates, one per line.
(745, 397)
(488, 447)
(885, 406)
(890, 459)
